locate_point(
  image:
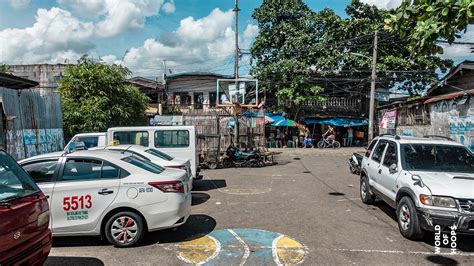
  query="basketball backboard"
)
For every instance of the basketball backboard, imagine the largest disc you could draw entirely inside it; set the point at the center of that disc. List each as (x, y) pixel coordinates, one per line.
(243, 92)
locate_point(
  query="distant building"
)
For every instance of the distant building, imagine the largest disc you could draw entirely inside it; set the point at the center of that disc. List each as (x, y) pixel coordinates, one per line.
(447, 109)
(47, 75)
(195, 91)
(30, 124)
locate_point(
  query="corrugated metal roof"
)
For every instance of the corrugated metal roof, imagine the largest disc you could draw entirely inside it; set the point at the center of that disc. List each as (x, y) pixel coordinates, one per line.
(15, 82)
(449, 96)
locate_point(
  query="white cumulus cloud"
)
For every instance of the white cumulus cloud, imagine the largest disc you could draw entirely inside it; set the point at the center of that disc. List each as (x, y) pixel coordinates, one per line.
(19, 4)
(55, 36)
(384, 4)
(204, 44)
(116, 16)
(169, 7)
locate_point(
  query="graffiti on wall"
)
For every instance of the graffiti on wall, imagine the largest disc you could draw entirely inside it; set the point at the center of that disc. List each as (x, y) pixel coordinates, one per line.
(454, 118)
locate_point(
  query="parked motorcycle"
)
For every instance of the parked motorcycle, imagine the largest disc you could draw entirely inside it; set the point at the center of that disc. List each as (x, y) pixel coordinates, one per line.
(355, 163)
(235, 157)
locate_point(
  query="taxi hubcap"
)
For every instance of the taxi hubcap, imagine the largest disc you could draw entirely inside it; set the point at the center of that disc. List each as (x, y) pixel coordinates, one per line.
(124, 229)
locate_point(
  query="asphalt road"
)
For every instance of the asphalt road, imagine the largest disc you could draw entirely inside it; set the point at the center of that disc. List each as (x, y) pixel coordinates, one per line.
(304, 210)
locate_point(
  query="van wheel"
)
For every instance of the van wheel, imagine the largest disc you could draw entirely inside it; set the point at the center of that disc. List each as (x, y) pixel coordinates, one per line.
(408, 219)
(124, 229)
(365, 195)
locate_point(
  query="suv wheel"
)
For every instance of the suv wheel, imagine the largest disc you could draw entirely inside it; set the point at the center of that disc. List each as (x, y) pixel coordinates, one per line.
(124, 229)
(408, 220)
(365, 195)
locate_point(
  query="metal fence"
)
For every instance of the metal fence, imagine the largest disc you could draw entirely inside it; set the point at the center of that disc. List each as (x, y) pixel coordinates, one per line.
(32, 123)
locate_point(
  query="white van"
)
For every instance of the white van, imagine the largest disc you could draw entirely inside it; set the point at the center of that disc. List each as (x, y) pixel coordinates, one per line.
(177, 141)
(91, 140)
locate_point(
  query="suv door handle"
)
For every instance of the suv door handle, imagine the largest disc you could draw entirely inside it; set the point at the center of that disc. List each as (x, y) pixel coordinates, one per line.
(105, 191)
(380, 171)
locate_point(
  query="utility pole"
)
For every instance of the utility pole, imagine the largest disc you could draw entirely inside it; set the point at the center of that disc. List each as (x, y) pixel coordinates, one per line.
(236, 66)
(236, 71)
(372, 89)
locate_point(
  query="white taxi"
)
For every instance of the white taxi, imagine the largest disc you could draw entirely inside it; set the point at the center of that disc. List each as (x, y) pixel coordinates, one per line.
(110, 194)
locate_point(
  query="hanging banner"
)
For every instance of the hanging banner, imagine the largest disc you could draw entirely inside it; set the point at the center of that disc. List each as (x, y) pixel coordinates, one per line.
(388, 120)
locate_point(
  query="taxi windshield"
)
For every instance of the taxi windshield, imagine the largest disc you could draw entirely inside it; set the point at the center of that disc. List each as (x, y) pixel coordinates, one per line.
(14, 181)
(143, 164)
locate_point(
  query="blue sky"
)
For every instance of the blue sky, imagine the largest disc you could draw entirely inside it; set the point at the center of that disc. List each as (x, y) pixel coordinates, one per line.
(191, 35)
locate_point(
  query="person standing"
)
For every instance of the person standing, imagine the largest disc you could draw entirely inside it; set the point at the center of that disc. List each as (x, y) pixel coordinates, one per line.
(279, 142)
(350, 136)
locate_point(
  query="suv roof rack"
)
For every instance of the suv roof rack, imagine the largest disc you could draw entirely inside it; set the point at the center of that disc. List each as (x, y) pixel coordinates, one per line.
(439, 137)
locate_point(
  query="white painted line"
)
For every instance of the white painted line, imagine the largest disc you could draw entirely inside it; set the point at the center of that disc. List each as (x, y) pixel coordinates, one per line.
(246, 247)
(405, 252)
(275, 251)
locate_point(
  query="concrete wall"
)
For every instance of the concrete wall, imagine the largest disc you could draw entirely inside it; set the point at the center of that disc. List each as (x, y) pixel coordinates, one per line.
(46, 75)
(454, 119)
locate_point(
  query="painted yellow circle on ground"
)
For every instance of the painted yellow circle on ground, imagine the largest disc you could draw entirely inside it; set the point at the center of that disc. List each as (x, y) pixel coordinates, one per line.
(199, 250)
(288, 251)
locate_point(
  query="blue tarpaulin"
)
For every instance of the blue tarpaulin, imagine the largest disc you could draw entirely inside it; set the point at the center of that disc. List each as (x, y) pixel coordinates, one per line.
(338, 122)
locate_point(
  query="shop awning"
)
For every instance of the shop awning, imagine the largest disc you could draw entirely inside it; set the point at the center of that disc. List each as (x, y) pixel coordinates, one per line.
(338, 122)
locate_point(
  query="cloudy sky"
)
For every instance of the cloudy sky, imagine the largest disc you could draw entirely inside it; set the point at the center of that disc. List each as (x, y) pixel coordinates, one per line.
(191, 35)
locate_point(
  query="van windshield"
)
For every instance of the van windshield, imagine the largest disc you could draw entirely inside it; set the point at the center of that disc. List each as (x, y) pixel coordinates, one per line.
(145, 165)
(14, 181)
(159, 154)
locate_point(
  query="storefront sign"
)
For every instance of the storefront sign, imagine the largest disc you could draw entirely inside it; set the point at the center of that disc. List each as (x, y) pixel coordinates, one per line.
(388, 120)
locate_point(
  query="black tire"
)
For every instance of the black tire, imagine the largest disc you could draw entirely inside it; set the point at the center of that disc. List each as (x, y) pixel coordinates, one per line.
(321, 145)
(121, 238)
(212, 165)
(364, 190)
(409, 226)
(227, 163)
(336, 145)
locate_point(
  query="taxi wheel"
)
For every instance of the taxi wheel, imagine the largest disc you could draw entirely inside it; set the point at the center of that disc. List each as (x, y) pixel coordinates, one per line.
(124, 229)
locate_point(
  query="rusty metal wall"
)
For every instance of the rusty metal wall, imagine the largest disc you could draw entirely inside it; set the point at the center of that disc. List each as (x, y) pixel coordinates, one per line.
(34, 123)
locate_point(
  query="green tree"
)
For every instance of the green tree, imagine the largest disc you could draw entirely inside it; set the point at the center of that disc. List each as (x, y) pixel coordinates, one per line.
(279, 52)
(422, 22)
(330, 46)
(4, 68)
(94, 97)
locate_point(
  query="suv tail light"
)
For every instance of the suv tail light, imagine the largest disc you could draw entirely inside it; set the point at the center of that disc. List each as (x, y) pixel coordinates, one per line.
(182, 167)
(169, 186)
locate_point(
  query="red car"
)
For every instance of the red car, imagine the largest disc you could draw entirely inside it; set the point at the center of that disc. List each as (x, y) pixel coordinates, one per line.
(25, 237)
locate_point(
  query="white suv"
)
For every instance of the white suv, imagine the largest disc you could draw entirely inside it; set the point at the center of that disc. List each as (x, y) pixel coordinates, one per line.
(429, 181)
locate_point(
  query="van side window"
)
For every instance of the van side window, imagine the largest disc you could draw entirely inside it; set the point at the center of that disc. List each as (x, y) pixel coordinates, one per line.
(171, 138)
(132, 137)
(390, 155)
(89, 142)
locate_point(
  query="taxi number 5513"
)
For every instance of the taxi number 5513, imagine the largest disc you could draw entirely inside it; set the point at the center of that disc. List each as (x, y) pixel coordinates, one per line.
(77, 202)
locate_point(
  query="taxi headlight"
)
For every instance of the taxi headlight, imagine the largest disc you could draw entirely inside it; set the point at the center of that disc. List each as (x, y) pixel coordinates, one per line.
(43, 219)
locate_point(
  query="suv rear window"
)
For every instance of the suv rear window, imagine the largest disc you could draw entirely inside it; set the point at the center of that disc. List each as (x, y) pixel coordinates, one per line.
(14, 181)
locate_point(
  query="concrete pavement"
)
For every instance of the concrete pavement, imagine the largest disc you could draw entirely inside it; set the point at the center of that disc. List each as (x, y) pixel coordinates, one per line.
(304, 210)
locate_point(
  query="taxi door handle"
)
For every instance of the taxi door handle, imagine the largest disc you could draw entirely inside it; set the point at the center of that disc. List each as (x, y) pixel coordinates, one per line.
(105, 191)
